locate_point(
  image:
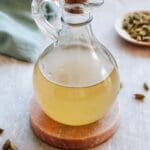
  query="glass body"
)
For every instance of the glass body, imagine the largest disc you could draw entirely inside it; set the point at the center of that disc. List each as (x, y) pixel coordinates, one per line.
(76, 78)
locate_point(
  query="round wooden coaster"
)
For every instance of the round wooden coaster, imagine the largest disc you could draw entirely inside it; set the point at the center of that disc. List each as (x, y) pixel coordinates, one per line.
(73, 137)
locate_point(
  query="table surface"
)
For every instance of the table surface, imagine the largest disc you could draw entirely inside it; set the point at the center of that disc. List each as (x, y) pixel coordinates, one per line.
(134, 67)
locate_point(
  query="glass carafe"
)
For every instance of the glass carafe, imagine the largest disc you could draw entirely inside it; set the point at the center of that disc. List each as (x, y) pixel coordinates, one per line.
(76, 78)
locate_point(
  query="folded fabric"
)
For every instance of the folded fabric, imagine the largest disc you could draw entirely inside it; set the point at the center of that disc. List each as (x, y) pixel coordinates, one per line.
(19, 36)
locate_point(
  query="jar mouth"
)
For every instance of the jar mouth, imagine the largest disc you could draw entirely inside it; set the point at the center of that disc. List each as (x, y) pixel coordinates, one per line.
(76, 14)
(75, 8)
(80, 6)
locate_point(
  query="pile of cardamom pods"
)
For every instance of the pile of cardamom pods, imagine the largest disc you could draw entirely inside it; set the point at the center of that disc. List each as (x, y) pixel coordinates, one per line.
(138, 25)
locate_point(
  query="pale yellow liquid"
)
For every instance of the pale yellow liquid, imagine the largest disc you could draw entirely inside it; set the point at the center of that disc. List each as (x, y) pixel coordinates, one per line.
(75, 105)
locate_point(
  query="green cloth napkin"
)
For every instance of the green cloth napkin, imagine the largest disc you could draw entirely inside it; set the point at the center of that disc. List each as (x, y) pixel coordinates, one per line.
(19, 36)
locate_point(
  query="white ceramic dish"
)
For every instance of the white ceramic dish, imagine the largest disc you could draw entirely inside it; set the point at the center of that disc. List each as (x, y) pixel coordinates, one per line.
(123, 33)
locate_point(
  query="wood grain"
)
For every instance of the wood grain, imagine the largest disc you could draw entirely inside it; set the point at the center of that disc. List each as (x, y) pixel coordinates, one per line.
(73, 137)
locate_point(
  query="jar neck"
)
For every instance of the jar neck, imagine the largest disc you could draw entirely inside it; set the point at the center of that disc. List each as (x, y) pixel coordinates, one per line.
(77, 33)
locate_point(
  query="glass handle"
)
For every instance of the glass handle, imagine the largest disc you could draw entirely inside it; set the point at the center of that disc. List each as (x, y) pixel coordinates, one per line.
(38, 11)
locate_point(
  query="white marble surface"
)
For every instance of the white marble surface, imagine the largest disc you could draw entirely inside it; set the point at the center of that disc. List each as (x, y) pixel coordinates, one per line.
(134, 68)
